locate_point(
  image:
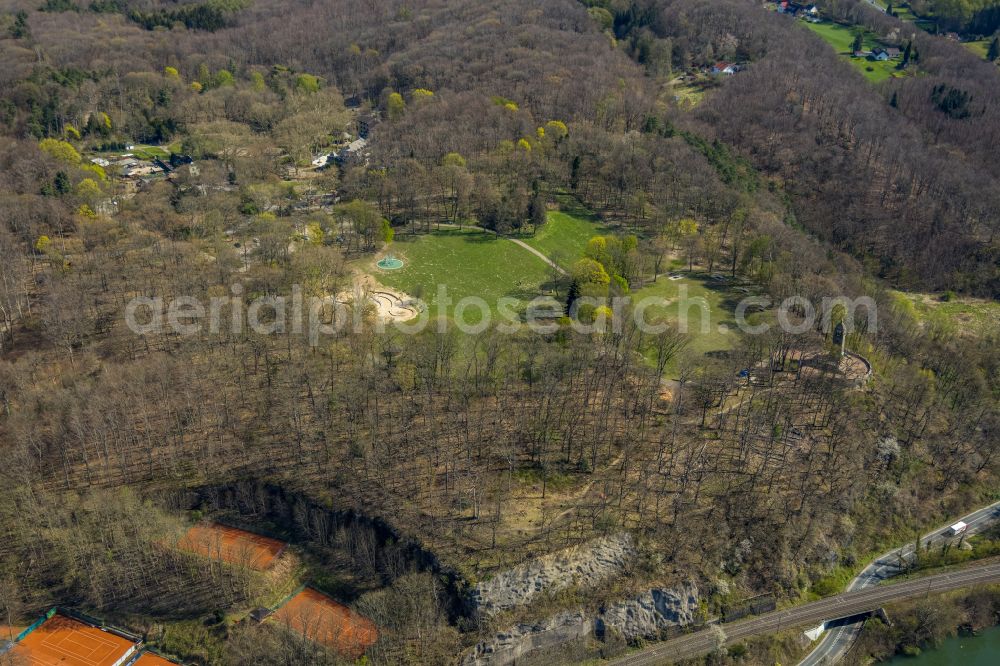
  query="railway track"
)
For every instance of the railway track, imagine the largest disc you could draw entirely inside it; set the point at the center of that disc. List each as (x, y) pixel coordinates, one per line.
(831, 608)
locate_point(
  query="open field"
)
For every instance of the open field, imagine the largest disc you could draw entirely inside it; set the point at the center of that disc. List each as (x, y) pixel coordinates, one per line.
(232, 545)
(150, 152)
(706, 305)
(473, 263)
(564, 237)
(840, 37)
(62, 641)
(321, 619)
(962, 315)
(468, 262)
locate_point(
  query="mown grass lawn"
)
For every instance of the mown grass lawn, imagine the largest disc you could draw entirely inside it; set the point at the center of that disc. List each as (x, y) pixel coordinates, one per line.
(150, 152)
(564, 237)
(468, 263)
(471, 262)
(877, 71)
(841, 38)
(707, 305)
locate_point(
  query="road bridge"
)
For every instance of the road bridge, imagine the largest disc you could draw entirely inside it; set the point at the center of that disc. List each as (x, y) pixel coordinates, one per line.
(839, 606)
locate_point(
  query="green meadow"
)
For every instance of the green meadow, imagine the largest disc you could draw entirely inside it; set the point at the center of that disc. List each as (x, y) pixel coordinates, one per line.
(841, 37)
(696, 305)
(469, 262)
(563, 238)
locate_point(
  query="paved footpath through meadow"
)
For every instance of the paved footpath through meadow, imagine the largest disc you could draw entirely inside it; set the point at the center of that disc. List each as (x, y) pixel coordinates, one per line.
(516, 241)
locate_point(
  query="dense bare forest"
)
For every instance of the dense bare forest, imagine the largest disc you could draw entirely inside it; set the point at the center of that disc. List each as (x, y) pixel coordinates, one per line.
(888, 184)
(413, 467)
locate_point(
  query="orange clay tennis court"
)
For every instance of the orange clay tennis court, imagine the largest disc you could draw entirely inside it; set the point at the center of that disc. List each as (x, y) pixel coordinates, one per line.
(232, 545)
(62, 641)
(321, 619)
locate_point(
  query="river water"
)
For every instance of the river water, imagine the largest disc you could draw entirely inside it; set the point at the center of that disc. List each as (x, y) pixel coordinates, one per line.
(981, 650)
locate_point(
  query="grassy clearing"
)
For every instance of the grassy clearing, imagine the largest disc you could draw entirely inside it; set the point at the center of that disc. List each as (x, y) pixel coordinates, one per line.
(841, 37)
(961, 315)
(469, 263)
(980, 47)
(150, 152)
(555, 481)
(689, 95)
(877, 72)
(564, 237)
(692, 297)
(473, 263)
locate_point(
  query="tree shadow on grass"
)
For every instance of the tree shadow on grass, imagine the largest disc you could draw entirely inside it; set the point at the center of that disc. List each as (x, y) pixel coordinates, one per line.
(527, 293)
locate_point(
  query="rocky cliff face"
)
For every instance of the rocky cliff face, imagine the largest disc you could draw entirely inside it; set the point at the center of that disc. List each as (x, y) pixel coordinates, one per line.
(646, 616)
(587, 565)
(649, 614)
(519, 641)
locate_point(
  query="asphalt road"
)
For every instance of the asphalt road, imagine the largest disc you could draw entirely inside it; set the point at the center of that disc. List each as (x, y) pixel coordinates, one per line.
(841, 605)
(838, 641)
